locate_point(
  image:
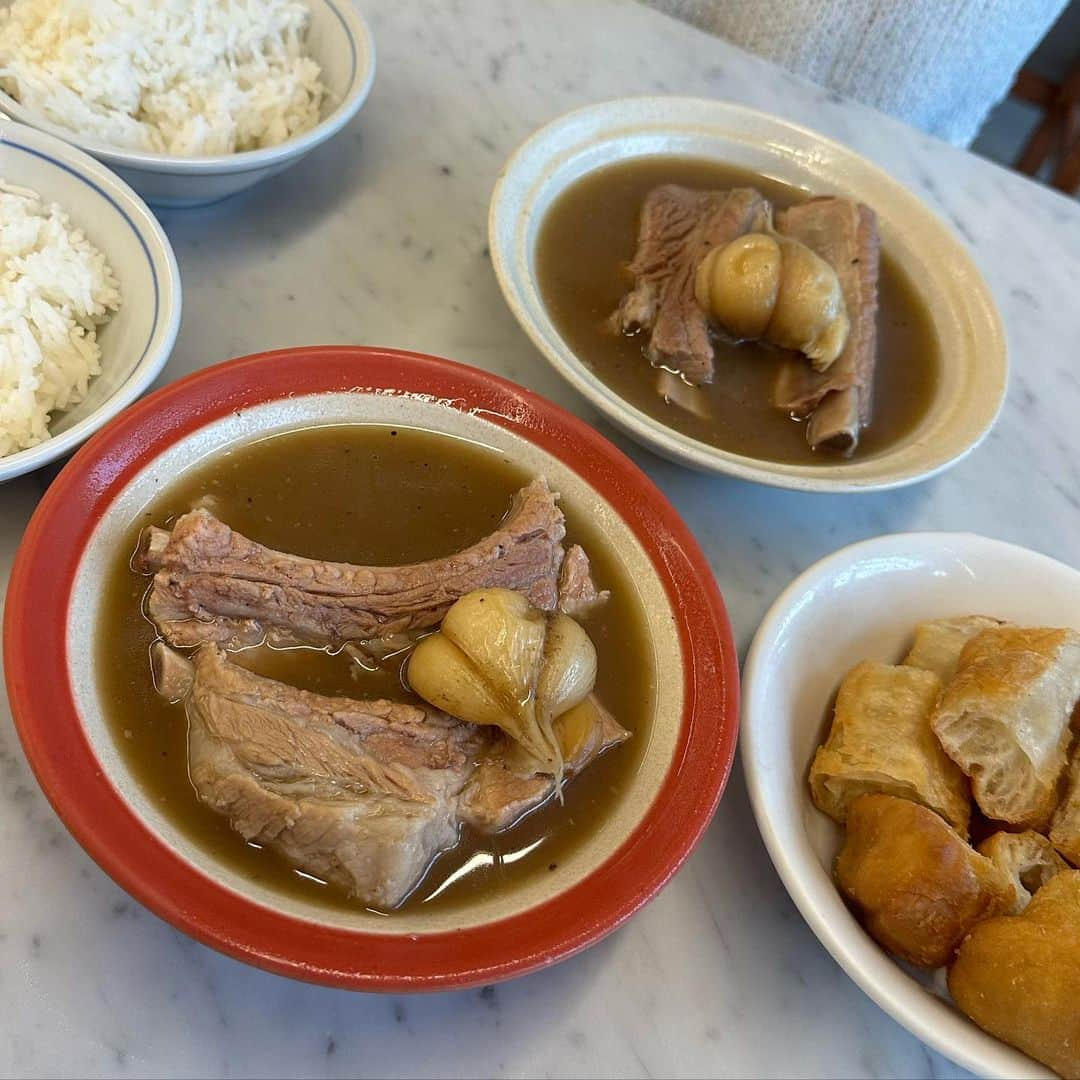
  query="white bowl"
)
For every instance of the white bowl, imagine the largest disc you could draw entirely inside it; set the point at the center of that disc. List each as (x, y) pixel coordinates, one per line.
(863, 603)
(138, 339)
(338, 39)
(972, 385)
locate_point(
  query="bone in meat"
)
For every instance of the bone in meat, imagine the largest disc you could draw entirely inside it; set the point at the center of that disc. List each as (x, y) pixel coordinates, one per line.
(678, 228)
(212, 584)
(838, 401)
(359, 793)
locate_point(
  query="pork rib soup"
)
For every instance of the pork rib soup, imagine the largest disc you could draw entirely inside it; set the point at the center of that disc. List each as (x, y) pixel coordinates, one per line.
(375, 667)
(738, 310)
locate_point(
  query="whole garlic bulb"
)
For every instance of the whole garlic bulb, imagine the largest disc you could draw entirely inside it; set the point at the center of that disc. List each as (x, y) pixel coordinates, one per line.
(498, 660)
(764, 286)
(738, 284)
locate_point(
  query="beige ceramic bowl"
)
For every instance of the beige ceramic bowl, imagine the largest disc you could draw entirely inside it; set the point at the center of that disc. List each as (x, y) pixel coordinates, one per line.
(972, 386)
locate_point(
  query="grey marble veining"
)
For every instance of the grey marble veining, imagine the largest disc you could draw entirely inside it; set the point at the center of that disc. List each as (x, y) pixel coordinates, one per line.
(380, 237)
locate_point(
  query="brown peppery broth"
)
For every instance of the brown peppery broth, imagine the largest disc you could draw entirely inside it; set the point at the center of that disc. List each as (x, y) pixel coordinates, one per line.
(372, 495)
(585, 242)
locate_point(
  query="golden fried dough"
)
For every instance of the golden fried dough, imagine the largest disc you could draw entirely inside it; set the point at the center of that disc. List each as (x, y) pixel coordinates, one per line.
(1028, 858)
(939, 642)
(1065, 826)
(1018, 977)
(880, 741)
(916, 886)
(1004, 719)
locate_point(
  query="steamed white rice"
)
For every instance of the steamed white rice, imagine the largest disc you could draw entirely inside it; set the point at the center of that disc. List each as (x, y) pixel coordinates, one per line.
(55, 290)
(181, 77)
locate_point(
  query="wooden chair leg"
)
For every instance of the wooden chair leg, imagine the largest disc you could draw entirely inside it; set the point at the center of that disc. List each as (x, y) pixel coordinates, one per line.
(1067, 178)
(1057, 135)
(1034, 88)
(1042, 141)
(1067, 174)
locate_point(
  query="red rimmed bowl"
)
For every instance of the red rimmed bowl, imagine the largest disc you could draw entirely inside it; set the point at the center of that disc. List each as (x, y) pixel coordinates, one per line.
(52, 615)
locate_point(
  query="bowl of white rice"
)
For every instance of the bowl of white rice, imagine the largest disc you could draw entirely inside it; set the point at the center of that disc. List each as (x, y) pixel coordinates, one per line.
(89, 298)
(188, 100)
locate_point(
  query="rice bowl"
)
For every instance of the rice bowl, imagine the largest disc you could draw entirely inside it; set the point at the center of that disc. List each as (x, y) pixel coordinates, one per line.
(338, 40)
(55, 290)
(173, 78)
(138, 338)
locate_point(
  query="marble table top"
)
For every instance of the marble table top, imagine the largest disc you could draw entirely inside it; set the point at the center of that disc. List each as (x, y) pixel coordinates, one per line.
(380, 237)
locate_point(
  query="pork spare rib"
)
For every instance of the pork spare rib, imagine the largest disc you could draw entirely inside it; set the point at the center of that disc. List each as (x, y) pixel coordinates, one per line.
(359, 793)
(678, 228)
(364, 794)
(211, 584)
(837, 403)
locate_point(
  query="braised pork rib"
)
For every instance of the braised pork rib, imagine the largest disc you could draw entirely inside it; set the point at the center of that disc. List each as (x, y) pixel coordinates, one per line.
(211, 584)
(837, 401)
(679, 227)
(364, 794)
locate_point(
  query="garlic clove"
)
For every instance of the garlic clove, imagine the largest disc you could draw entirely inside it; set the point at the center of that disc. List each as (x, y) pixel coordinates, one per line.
(763, 286)
(809, 314)
(482, 667)
(579, 731)
(737, 284)
(829, 343)
(567, 676)
(497, 660)
(503, 635)
(568, 667)
(443, 675)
